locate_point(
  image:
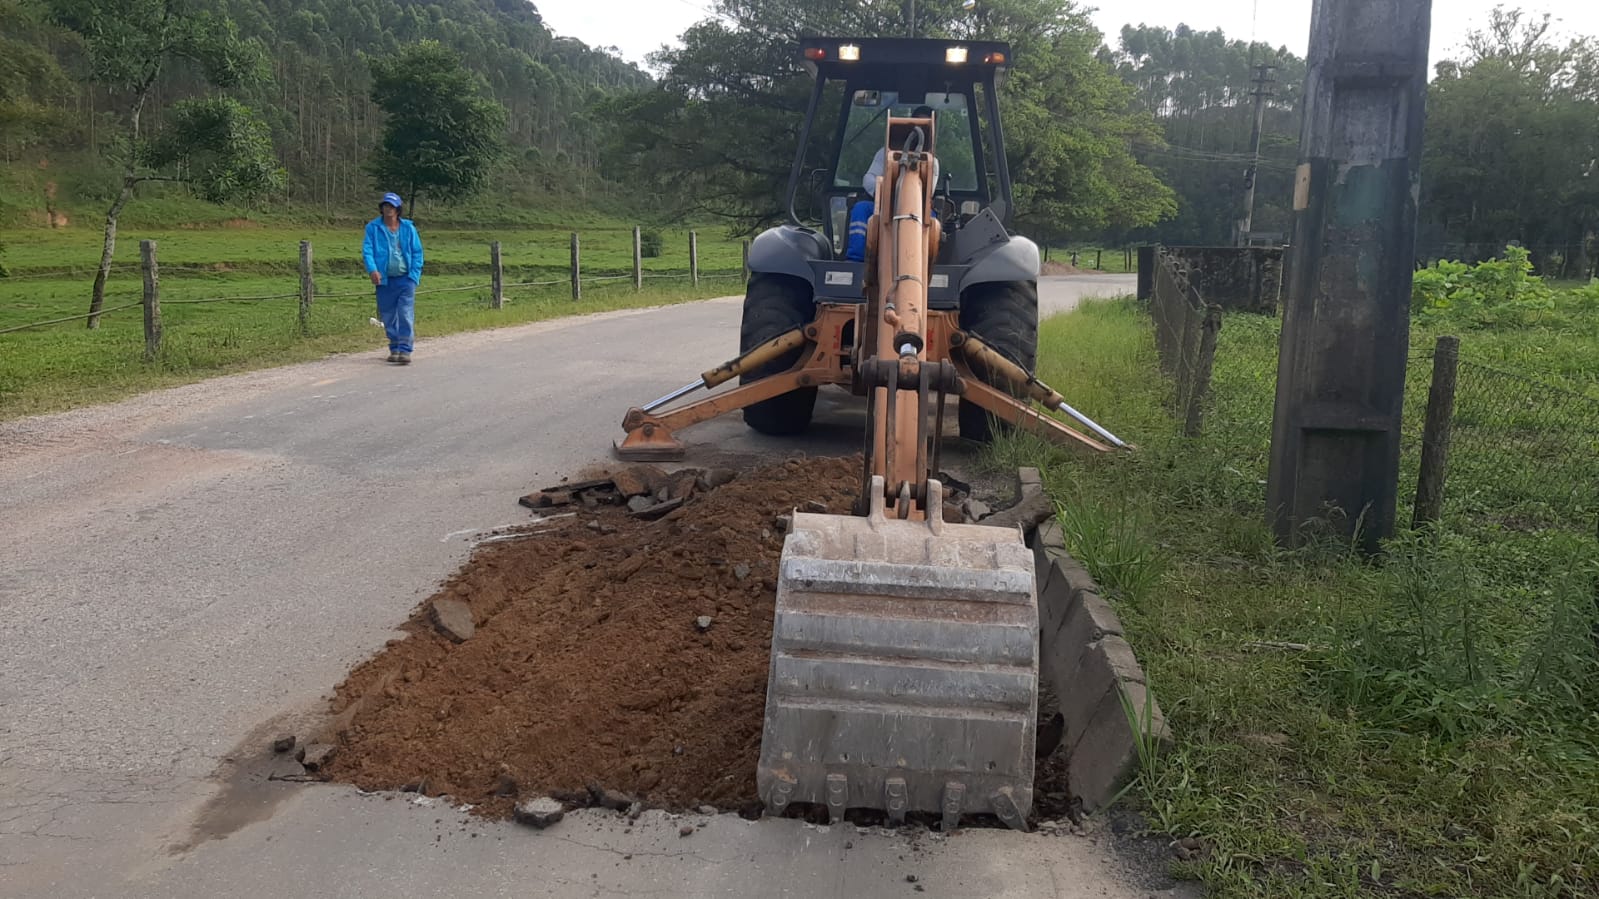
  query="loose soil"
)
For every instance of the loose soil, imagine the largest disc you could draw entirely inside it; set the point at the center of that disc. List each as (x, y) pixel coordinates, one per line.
(587, 667)
(587, 671)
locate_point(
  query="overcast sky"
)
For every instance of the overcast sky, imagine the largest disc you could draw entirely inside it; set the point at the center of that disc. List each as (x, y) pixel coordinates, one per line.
(637, 27)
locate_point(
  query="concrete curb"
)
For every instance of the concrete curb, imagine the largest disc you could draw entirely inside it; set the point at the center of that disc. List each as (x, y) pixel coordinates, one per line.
(1085, 657)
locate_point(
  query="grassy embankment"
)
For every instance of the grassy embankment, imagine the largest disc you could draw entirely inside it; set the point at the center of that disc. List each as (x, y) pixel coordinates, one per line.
(1423, 724)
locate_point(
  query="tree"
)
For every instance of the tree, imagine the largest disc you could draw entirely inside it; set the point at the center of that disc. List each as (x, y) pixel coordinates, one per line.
(128, 44)
(32, 85)
(1512, 138)
(717, 135)
(1198, 86)
(441, 137)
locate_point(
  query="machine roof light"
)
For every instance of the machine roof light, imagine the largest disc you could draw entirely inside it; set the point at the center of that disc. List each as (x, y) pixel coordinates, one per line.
(815, 53)
(955, 55)
(849, 52)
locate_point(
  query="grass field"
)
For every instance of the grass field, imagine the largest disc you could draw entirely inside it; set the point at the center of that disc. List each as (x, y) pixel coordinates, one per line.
(64, 365)
(1425, 724)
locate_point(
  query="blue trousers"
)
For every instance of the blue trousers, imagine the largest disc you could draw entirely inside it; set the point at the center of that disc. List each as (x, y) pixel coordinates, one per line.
(397, 309)
(859, 218)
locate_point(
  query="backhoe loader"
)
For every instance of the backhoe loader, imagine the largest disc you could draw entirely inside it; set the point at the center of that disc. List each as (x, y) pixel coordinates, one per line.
(904, 669)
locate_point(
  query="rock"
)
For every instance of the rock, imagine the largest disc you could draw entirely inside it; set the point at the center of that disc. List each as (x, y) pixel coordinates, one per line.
(910, 878)
(819, 508)
(716, 477)
(658, 510)
(634, 811)
(1188, 848)
(977, 510)
(287, 769)
(453, 618)
(686, 830)
(615, 800)
(639, 504)
(707, 809)
(505, 786)
(318, 754)
(283, 743)
(649, 780)
(1027, 514)
(782, 523)
(741, 570)
(630, 566)
(683, 485)
(540, 812)
(702, 623)
(638, 480)
(558, 498)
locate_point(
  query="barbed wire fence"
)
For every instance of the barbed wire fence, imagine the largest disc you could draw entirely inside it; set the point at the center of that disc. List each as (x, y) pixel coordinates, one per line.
(151, 300)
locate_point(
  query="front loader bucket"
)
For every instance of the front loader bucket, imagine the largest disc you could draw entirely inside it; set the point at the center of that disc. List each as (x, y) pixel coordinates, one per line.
(904, 671)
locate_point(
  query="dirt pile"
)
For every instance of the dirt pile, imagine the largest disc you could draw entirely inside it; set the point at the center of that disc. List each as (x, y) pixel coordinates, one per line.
(589, 661)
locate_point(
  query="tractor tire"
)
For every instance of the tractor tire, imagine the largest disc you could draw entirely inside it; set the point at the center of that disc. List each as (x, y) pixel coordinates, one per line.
(774, 304)
(1005, 315)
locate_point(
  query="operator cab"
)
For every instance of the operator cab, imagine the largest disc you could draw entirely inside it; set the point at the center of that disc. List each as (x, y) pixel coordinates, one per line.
(872, 80)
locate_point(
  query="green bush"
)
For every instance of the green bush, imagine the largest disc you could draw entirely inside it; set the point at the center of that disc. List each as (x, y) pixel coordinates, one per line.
(1497, 293)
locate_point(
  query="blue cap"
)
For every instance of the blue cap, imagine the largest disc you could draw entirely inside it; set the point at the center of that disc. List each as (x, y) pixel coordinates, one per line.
(392, 199)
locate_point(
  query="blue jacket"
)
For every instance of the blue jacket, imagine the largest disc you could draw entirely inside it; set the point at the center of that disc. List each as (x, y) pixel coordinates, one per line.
(375, 249)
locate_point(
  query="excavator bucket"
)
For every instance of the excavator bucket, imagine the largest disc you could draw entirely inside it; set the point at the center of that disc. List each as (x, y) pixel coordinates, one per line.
(904, 673)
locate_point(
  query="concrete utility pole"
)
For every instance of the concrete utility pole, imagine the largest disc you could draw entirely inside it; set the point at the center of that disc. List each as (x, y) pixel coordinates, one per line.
(1346, 316)
(1263, 81)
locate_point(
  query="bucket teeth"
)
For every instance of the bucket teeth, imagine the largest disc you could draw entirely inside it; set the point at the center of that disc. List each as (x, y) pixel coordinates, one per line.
(895, 801)
(954, 802)
(837, 797)
(904, 672)
(1004, 804)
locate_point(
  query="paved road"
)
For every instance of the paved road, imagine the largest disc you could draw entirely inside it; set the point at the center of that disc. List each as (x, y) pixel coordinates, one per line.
(187, 572)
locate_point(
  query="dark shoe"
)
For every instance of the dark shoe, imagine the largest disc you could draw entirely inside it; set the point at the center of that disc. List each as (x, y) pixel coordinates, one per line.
(393, 357)
(402, 358)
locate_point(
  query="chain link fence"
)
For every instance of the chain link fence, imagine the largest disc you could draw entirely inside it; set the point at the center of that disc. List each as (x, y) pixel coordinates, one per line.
(1497, 447)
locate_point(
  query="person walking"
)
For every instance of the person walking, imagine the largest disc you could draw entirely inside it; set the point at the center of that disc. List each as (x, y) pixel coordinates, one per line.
(392, 251)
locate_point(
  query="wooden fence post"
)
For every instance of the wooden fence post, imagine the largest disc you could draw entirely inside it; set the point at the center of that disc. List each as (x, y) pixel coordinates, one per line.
(1099, 260)
(746, 261)
(694, 258)
(152, 301)
(638, 259)
(1436, 433)
(577, 284)
(307, 286)
(1199, 390)
(497, 276)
